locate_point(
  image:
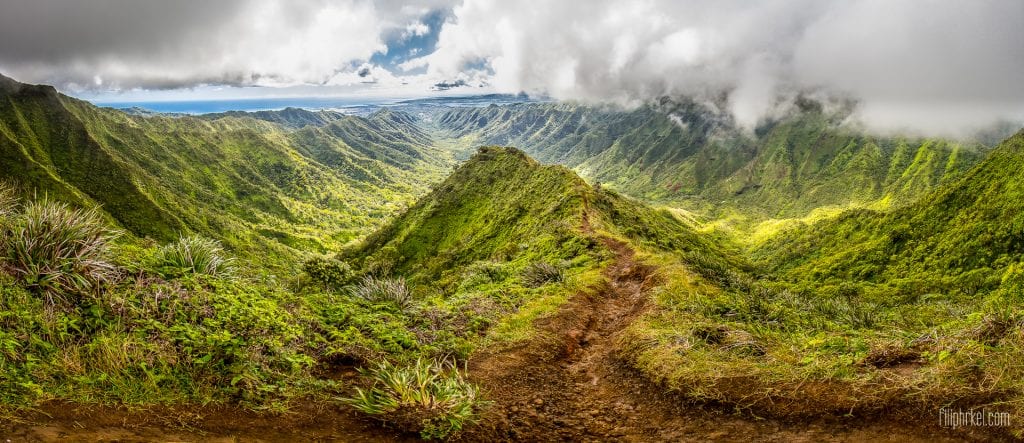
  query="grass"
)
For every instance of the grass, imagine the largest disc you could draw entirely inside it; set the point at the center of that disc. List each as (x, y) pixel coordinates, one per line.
(58, 252)
(540, 273)
(782, 350)
(194, 255)
(8, 198)
(429, 397)
(384, 290)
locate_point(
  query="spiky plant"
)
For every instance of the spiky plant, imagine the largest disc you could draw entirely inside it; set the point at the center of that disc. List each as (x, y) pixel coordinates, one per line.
(194, 255)
(57, 251)
(429, 397)
(8, 198)
(540, 273)
(384, 290)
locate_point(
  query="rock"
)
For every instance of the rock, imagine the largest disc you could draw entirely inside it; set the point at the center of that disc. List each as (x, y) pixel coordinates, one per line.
(538, 402)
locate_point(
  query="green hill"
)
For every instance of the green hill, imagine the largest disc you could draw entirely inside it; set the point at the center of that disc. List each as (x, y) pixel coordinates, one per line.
(294, 118)
(250, 180)
(959, 238)
(502, 205)
(688, 154)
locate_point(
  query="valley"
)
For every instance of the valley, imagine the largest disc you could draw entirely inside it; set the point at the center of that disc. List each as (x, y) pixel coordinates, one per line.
(525, 271)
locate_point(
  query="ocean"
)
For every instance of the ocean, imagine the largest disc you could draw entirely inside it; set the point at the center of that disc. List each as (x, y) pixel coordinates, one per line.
(349, 104)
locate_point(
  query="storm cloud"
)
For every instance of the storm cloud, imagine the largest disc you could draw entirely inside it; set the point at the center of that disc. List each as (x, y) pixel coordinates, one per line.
(115, 44)
(935, 66)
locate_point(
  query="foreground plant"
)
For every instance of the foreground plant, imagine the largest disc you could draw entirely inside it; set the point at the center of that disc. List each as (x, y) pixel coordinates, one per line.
(57, 251)
(429, 397)
(8, 198)
(194, 256)
(384, 290)
(541, 273)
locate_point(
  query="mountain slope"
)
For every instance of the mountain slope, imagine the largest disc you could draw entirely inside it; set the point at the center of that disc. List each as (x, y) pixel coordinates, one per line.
(255, 184)
(692, 155)
(957, 238)
(502, 205)
(294, 118)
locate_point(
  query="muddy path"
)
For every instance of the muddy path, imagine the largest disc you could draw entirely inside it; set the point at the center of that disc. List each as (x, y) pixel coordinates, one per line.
(568, 384)
(58, 422)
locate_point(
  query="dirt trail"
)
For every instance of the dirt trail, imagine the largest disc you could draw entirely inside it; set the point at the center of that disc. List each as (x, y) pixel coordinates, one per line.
(568, 384)
(57, 422)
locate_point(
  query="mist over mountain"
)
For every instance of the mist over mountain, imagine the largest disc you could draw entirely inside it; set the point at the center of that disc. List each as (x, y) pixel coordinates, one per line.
(938, 68)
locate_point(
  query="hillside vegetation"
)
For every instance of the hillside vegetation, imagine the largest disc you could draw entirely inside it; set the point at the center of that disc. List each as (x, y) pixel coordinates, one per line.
(253, 182)
(692, 155)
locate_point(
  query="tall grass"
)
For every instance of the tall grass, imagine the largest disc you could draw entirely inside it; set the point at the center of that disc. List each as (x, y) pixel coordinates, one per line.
(384, 290)
(540, 273)
(8, 198)
(429, 397)
(57, 251)
(194, 256)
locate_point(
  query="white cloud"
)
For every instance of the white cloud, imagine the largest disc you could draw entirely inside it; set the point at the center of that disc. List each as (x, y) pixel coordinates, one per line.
(155, 44)
(417, 29)
(940, 66)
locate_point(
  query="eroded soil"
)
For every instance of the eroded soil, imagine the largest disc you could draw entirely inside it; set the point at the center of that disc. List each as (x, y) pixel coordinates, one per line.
(569, 384)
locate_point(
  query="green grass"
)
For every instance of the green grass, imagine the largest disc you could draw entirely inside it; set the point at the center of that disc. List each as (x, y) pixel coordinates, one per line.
(194, 256)
(909, 308)
(431, 398)
(805, 269)
(269, 191)
(57, 252)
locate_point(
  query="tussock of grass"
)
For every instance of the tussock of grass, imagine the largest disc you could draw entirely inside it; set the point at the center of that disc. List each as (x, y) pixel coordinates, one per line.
(392, 290)
(541, 273)
(428, 397)
(194, 255)
(58, 252)
(8, 198)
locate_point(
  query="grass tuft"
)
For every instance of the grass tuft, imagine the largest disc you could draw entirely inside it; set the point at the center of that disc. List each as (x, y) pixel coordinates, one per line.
(538, 274)
(428, 397)
(58, 252)
(384, 290)
(194, 256)
(8, 198)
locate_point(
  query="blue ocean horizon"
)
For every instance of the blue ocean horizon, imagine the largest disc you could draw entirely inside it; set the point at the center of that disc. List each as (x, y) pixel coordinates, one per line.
(312, 103)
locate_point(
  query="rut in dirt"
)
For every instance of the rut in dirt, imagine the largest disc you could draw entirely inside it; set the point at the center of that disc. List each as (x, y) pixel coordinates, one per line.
(569, 384)
(566, 383)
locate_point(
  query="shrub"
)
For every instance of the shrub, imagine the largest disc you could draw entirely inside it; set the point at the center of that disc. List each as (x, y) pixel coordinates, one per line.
(327, 272)
(194, 256)
(384, 290)
(57, 251)
(540, 273)
(431, 398)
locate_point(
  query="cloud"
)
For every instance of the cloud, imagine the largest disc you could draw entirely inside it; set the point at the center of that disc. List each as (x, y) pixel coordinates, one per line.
(127, 44)
(416, 29)
(936, 66)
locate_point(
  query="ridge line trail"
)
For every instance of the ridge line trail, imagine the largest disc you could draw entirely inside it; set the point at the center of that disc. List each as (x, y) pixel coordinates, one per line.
(567, 383)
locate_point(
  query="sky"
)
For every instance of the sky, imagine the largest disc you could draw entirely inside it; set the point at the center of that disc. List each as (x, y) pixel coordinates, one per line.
(931, 66)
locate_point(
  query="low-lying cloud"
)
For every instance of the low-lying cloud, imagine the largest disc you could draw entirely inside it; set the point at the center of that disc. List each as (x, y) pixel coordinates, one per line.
(929, 65)
(935, 66)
